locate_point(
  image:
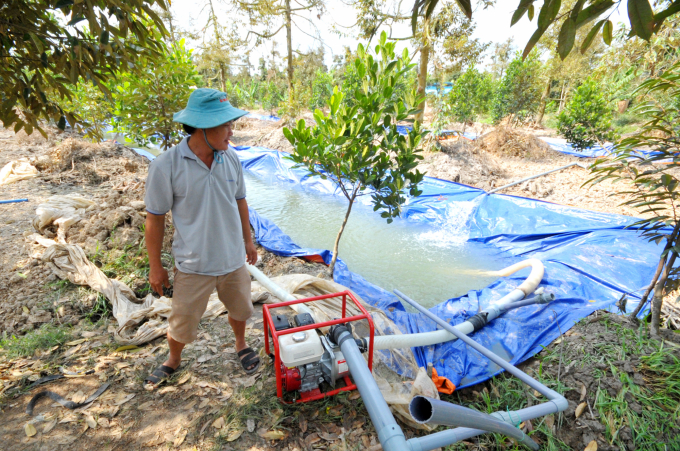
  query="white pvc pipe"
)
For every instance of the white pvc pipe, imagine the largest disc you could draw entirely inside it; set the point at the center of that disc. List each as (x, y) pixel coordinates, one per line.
(276, 290)
(441, 336)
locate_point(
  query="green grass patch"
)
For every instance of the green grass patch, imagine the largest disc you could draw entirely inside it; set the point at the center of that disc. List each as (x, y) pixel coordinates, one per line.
(43, 338)
(129, 265)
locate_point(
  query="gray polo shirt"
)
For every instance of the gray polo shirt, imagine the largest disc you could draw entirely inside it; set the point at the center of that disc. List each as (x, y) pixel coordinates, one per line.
(208, 235)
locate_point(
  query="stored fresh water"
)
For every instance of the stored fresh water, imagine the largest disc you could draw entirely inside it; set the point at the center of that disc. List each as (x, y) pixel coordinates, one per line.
(430, 263)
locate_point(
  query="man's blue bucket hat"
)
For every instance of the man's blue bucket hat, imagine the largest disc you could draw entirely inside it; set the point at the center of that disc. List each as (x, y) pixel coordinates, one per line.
(207, 108)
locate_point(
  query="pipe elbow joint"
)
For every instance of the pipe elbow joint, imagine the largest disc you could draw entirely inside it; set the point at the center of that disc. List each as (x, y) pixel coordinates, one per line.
(339, 333)
(561, 403)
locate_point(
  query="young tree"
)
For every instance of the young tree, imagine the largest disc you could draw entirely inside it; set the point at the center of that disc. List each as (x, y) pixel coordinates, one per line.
(587, 119)
(519, 92)
(359, 148)
(470, 96)
(146, 100)
(653, 187)
(45, 48)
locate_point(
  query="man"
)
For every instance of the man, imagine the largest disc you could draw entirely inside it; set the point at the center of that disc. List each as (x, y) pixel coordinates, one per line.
(201, 181)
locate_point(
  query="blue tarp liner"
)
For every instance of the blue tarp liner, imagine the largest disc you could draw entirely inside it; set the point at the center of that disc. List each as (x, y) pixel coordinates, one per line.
(262, 117)
(404, 129)
(561, 145)
(590, 260)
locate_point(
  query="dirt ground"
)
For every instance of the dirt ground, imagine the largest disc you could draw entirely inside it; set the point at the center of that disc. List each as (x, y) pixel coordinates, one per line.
(616, 379)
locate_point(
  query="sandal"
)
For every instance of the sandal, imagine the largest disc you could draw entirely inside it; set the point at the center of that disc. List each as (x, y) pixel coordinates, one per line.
(159, 375)
(250, 359)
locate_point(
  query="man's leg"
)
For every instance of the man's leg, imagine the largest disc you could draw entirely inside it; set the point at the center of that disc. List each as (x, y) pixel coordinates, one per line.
(233, 290)
(239, 328)
(190, 299)
(175, 356)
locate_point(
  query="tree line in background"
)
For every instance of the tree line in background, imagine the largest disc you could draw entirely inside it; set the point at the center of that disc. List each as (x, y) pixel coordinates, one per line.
(585, 93)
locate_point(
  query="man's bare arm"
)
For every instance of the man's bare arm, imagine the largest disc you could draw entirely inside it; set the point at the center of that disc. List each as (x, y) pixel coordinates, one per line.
(155, 229)
(251, 252)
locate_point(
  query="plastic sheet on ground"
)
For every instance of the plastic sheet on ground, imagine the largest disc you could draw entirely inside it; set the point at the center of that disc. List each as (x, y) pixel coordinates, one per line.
(404, 129)
(17, 170)
(62, 211)
(590, 258)
(263, 117)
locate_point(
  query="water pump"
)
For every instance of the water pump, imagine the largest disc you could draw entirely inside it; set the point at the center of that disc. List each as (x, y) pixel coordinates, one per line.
(307, 360)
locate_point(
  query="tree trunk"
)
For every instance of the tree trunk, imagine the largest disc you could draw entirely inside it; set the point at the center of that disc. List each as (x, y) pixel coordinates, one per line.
(289, 45)
(223, 78)
(657, 301)
(218, 40)
(563, 96)
(422, 78)
(662, 261)
(342, 229)
(544, 100)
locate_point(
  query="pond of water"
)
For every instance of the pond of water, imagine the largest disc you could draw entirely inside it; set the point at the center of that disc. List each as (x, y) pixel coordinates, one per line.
(429, 263)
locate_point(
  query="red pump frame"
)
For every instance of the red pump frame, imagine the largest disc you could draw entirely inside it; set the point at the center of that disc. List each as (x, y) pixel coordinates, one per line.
(269, 328)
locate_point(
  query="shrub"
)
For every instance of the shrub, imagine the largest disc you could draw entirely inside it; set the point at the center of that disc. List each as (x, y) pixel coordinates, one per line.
(93, 109)
(519, 93)
(146, 101)
(322, 89)
(587, 118)
(470, 96)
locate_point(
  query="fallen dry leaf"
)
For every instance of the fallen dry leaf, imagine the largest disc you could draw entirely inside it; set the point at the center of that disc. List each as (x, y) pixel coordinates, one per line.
(103, 422)
(204, 402)
(49, 426)
(550, 421)
(121, 365)
(75, 342)
(218, 423)
(78, 397)
(91, 423)
(250, 424)
(579, 410)
(328, 437)
(185, 378)
(270, 435)
(30, 430)
(303, 424)
(592, 446)
(312, 438)
(124, 399)
(583, 392)
(180, 437)
(234, 434)
(354, 395)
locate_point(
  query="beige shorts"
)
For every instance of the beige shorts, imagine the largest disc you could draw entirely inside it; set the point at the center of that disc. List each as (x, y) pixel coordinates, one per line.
(190, 299)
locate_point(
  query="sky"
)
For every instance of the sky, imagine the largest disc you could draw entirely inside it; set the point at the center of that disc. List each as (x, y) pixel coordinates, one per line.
(493, 25)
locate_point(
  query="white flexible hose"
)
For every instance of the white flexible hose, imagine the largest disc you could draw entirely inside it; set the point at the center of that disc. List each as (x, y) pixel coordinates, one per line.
(441, 336)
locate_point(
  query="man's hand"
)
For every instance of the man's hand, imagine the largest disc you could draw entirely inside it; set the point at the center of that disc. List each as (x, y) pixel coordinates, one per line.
(158, 278)
(251, 253)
